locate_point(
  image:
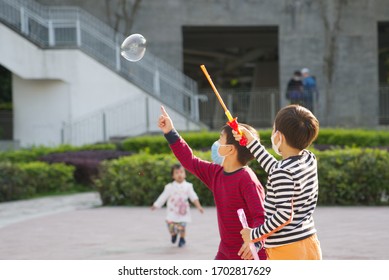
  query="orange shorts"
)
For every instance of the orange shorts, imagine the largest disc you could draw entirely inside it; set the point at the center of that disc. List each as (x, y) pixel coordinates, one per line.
(306, 249)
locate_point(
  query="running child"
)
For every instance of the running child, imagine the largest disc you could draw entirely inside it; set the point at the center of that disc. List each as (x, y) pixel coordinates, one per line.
(176, 194)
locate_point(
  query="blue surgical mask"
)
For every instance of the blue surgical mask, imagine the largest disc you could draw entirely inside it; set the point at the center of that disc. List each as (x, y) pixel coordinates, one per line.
(216, 157)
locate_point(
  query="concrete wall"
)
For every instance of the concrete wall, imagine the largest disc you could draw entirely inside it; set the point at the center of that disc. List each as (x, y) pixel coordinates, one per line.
(51, 87)
(40, 107)
(348, 96)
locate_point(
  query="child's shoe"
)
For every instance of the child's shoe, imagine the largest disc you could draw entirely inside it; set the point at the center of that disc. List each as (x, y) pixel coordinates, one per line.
(174, 238)
(181, 243)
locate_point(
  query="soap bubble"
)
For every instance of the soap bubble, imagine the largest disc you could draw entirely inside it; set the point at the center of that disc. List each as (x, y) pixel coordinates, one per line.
(133, 47)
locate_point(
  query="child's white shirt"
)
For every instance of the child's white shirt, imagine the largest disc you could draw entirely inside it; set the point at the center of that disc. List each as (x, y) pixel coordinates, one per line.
(176, 195)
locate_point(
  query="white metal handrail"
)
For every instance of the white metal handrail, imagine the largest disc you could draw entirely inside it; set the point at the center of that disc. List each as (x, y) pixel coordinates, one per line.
(64, 27)
(58, 27)
(126, 118)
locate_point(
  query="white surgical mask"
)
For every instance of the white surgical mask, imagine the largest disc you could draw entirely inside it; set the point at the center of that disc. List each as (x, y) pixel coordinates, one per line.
(274, 146)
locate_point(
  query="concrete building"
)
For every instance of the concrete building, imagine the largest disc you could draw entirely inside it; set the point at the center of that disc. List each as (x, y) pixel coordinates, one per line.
(246, 45)
(70, 85)
(336, 39)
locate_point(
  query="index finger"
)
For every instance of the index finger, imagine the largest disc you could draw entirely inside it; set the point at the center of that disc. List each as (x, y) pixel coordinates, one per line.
(241, 251)
(242, 129)
(164, 113)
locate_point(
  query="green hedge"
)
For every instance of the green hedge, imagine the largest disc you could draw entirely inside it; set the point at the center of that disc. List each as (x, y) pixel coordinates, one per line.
(204, 140)
(201, 141)
(139, 179)
(346, 177)
(353, 137)
(353, 176)
(33, 154)
(26, 180)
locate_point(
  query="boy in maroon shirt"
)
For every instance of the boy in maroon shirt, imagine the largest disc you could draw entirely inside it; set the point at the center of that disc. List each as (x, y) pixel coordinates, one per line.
(233, 184)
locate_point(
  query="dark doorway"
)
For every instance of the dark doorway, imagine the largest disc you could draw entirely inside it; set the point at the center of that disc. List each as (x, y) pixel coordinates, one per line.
(6, 120)
(231, 55)
(243, 64)
(383, 72)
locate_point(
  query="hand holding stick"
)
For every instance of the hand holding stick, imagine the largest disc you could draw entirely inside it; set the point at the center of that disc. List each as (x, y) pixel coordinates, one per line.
(243, 221)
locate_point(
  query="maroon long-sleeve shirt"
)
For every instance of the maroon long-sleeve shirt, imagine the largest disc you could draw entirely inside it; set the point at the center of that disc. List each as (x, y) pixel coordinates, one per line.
(231, 191)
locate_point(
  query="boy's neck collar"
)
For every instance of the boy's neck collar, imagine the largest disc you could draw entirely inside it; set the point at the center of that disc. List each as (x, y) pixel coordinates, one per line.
(230, 167)
(292, 153)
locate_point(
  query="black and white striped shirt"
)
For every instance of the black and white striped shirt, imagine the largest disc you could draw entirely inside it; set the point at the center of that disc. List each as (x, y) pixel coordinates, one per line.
(292, 191)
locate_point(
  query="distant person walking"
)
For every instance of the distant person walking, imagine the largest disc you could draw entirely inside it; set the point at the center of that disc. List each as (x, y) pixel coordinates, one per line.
(310, 89)
(295, 89)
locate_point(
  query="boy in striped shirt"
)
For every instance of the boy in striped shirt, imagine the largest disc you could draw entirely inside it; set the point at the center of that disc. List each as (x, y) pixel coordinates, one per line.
(233, 184)
(292, 188)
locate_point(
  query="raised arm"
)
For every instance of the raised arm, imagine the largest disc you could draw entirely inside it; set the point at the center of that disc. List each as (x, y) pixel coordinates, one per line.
(264, 158)
(202, 169)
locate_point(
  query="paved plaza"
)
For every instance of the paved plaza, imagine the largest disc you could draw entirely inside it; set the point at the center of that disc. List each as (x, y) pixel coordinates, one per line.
(76, 227)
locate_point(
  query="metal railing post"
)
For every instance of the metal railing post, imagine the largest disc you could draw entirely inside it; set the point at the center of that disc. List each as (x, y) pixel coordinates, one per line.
(147, 114)
(194, 108)
(272, 107)
(156, 84)
(51, 34)
(63, 135)
(23, 21)
(195, 100)
(78, 30)
(104, 127)
(117, 54)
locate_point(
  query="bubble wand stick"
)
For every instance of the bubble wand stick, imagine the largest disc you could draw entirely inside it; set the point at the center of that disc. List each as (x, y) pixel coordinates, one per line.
(232, 122)
(243, 221)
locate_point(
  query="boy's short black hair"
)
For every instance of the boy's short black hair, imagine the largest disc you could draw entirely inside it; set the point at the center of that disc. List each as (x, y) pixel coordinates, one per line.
(244, 155)
(175, 167)
(299, 126)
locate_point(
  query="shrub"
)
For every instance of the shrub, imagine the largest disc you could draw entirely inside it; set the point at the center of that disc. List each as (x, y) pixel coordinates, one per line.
(12, 185)
(353, 137)
(25, 180)
(152, 144)
(32, 154)
(328, 138)
(353, 176)
(139, 180)
(346, 177)
(86, 163)
(201, 141)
